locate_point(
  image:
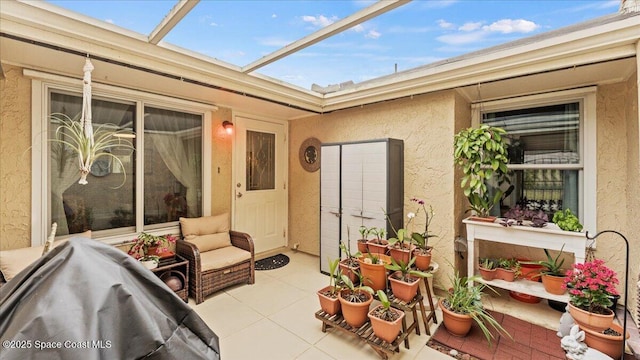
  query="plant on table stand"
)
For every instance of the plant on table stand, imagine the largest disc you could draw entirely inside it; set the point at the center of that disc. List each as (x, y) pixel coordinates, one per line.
(355, 301)
(362, 242)
(508, 269)
(349, 265)
(481, 153)
(553, 274)
(421, 240)
(566, 220)
(373, 270)
(378, 245)
(404, 279)
(487, 268)
(328, 295)
(385, 320)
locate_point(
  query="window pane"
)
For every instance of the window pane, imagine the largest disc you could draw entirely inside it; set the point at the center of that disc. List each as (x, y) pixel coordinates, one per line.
(546, 189)
(172, 165)
(107, 201)
(261, 149)
(542, 135)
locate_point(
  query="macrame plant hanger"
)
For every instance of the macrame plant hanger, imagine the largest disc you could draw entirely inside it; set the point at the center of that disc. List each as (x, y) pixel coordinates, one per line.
(86, 161)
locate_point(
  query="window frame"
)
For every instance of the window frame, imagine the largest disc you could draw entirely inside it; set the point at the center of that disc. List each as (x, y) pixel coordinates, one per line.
(586, 97)
(41, 85)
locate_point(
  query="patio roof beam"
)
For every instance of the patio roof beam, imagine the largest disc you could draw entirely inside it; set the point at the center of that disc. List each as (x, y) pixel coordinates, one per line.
(179, 11)
(337, 27)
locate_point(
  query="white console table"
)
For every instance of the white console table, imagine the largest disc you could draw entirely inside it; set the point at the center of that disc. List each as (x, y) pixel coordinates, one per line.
(549, 237)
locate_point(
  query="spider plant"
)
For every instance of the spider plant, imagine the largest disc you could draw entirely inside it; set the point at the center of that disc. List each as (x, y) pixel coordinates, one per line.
(71, 136)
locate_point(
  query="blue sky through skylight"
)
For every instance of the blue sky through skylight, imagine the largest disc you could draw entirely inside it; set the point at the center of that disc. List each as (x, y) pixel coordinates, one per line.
(415, 34)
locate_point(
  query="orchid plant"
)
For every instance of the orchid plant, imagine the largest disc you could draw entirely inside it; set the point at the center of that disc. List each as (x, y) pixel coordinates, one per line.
(591, 286)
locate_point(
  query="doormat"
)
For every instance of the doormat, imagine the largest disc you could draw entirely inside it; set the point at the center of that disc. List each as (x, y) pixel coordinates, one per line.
(529, 342)
(272, 262)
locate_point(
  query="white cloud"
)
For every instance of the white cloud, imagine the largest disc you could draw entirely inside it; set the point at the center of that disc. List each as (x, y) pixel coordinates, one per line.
(470, 26)
(507, 26)
(319, 21)
(358, 28)
(445, 24)
(214, 24)
(372, 34)
(273, 16)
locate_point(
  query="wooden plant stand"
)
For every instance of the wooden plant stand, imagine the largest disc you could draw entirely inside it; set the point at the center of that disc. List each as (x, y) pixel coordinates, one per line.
(365, 332)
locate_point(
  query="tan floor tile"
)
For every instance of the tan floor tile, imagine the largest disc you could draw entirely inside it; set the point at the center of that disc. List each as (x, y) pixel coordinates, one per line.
(299, 318)
(226, 315)
(314, 354)
(262, 340)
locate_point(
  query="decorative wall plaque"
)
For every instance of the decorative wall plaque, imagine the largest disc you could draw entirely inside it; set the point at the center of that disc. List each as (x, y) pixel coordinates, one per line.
(310, 154)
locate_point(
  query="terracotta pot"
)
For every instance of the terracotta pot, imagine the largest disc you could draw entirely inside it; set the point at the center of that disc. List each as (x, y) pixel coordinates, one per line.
(589, 320)
(403, 254)
(530, 271)
(489, 219)
(376, 248)
(362, 246)
(403, 290)
(487, 274)
(505, 274)
(423, 261)
(355, 314)
(553, 284)
(328, 304)
(375, 275)
(349, 270)
(608, 344)
(456, 324)
(385, 330)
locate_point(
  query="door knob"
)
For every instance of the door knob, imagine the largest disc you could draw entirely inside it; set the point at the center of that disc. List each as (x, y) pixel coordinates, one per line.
(239, 194)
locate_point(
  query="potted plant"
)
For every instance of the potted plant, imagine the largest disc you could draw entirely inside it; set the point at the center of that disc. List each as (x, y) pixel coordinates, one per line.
(481, 153)
(522, 216)
(328, 295)
(487, 268)
(355, 301)
(507, 269)
(385, 320)
(149, 244)
(400, 247)
(362, 242)
(422, 252)
(377, 245)
(553, 274)
(349, 265)
(374, 273)
(404, 279)
(150, 261)
(591, 285)
(463, 304)
(607, 341)
(566, 220)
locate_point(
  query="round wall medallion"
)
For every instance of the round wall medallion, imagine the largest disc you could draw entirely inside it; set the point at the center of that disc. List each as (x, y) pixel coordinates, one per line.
(310, 154)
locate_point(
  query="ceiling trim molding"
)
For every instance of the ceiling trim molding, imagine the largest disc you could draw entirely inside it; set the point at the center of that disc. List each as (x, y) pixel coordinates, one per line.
(177, 13)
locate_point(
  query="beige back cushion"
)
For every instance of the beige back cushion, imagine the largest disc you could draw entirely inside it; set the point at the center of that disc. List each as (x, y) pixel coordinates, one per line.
(16, 260)
(207, 232)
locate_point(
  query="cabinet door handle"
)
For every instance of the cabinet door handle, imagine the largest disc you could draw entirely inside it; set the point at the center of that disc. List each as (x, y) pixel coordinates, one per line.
(363, 217)
(337, 214)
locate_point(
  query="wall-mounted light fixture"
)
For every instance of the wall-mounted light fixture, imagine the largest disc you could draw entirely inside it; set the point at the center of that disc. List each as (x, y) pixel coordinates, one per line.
(228, 127)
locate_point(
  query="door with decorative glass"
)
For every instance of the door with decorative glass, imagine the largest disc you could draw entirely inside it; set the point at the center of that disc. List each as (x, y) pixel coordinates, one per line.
(260, 182)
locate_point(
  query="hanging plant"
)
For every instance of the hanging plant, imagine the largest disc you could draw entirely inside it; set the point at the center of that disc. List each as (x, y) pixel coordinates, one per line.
(71, 135)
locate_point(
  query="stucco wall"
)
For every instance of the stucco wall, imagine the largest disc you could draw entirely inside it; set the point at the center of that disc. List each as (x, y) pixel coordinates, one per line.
(618, 180)
(425, 124)
(15, 159)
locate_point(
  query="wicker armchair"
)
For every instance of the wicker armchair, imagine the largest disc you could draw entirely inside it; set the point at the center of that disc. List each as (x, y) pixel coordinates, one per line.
(215, 269)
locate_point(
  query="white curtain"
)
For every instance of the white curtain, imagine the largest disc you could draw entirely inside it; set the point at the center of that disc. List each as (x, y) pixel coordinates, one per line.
(64, 173)
(181, 161)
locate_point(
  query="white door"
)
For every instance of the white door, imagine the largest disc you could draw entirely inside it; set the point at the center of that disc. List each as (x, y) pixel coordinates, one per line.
(260, 182)
(329, 205)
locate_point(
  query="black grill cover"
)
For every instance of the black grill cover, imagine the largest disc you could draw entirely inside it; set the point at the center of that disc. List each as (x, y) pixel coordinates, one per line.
(94, 301)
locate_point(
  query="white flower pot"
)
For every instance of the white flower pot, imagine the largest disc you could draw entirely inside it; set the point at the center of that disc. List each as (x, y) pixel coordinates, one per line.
(149, 264)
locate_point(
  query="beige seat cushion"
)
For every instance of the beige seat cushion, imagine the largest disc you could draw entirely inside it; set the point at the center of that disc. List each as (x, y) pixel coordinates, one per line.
(223, 257)
(16, 260)
(207, 232)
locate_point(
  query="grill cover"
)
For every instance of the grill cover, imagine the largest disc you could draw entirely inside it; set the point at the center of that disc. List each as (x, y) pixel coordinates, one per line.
(88, 300)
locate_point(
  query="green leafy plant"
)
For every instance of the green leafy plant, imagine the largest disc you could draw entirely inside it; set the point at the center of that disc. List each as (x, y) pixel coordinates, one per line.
(364, 233)
(566, 220)
(379, 234)
(71, 136)
(487, 263)
(464, 298)
(481, 153)
(351, 257)
(553, 266)
(406, 270)
(353, 293)
(155, 258)
(335, 276)
(421, 240)
(144, 241)
(385, 313)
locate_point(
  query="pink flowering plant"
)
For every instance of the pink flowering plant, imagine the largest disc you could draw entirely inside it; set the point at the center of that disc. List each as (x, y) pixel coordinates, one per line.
(421, 239)
(591, 286)
(140, 247)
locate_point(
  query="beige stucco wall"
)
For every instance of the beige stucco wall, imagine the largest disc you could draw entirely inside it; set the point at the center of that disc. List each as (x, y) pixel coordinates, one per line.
(15, 159)
(617, 179)
(425, 124)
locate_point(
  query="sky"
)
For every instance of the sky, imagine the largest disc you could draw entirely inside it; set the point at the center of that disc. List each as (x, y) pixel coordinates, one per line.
(418, 33)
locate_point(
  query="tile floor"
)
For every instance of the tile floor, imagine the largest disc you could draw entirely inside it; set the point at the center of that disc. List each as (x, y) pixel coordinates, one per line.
(274, 318)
